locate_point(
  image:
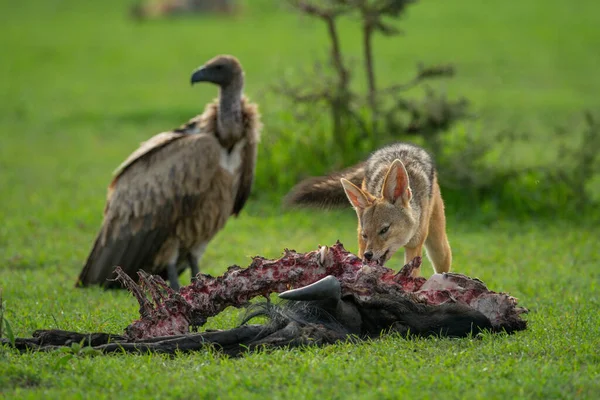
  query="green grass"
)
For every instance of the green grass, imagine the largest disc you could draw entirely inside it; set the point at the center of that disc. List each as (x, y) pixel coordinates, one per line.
(81, 85)
(552, 269)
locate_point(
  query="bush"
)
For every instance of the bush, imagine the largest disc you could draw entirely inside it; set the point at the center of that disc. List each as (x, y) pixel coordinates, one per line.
(330, 124)
(485, 171)
(304, 143)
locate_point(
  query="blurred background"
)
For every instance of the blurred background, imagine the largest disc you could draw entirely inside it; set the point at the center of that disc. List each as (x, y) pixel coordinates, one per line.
(505, 95)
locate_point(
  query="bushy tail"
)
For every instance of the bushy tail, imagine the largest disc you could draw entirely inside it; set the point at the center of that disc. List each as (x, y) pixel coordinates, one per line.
(324, 191)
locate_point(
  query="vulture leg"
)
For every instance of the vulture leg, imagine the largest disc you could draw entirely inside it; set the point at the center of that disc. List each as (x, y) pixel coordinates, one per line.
(194, 257)
(193, 261)
(173, 275)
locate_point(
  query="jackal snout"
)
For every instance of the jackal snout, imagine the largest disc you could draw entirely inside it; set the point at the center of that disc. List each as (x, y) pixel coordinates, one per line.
(383, 232)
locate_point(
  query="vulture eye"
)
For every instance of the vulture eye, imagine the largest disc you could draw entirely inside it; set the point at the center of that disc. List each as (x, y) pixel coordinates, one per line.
(218, 67)
(384, 230)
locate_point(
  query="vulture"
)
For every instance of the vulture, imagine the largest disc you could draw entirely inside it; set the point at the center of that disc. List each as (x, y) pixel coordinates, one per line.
(170, 197)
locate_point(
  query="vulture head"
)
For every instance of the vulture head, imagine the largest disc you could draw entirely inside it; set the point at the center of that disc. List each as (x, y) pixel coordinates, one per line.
(221, 70)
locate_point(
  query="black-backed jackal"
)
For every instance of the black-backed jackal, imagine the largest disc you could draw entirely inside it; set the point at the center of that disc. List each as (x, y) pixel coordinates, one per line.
(397, 199)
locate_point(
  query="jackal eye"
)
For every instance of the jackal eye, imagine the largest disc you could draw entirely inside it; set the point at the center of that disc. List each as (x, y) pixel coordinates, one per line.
(384, 230)
(363, 235)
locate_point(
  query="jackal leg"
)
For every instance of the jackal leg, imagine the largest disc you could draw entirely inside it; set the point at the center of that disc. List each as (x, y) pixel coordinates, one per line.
(412, 252)
(437, 245)
(361, 243)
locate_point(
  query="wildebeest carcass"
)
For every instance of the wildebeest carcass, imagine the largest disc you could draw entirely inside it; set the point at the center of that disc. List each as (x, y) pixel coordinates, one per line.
(338, 297)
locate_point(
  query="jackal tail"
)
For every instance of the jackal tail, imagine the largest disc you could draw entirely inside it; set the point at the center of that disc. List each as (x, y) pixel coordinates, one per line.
(324, 192)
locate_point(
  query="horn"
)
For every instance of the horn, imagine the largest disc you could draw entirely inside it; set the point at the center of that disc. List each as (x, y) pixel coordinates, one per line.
(328, 288)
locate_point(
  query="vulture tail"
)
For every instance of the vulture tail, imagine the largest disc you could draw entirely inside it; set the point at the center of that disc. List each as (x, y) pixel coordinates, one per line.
(131, 253)
(94, 271)
(325, 192)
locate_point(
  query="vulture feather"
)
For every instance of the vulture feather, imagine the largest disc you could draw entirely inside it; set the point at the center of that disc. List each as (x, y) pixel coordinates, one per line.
(170, 197)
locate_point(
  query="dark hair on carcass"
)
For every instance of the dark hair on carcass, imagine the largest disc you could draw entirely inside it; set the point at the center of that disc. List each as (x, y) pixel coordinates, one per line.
(301, 312)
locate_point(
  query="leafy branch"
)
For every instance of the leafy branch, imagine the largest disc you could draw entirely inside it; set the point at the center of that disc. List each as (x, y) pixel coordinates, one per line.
(379, 112)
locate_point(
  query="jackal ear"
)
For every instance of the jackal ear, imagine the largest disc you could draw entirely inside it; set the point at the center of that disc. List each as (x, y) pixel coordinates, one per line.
(359, 199)
(396, 185)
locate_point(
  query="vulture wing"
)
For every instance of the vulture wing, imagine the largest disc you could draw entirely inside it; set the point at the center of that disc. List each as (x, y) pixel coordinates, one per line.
(246, 176)
(193, 126)
(152, 144)
(252, 127)
(155, 187)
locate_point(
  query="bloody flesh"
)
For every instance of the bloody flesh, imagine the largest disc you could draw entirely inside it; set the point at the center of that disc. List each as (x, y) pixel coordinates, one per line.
(171, 313)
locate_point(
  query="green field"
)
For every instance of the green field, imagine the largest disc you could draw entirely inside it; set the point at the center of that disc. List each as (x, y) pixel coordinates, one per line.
(81, 85)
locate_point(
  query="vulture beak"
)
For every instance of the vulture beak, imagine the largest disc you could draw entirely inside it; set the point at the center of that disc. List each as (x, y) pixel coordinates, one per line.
(199, 75)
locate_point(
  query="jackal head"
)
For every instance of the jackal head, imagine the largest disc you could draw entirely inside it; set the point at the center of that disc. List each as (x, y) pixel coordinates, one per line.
(386, 222)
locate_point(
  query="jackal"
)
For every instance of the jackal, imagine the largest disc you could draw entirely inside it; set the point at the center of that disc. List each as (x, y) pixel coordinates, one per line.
(398, 204)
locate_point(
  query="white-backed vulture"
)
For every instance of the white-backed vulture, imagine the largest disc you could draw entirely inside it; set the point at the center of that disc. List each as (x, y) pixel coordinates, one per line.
(175, 192)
